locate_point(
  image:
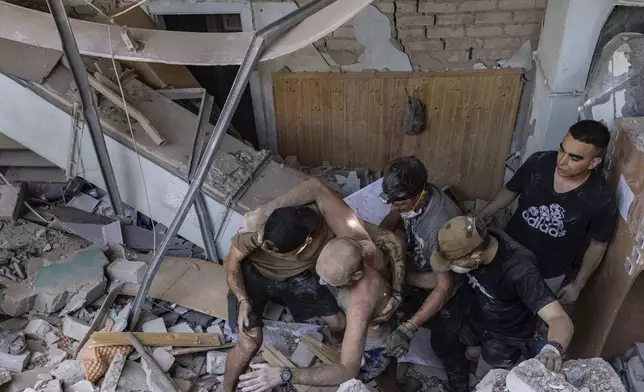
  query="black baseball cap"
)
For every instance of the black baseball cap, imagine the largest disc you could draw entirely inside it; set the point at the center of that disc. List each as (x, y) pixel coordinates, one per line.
(288, 228)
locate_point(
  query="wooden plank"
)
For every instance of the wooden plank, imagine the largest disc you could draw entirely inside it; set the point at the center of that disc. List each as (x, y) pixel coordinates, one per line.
(194, 350)
(337, 154)
(157, 339)
(159, 376)
(326, 354)
(315, 121)
(274, 357)
(176, 281)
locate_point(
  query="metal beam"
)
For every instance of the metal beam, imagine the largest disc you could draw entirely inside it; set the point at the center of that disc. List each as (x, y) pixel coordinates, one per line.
(261, 39)
(70, 48)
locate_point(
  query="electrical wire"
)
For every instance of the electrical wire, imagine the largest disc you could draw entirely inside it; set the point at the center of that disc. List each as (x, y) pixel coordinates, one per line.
(128, 9)
(136, 148)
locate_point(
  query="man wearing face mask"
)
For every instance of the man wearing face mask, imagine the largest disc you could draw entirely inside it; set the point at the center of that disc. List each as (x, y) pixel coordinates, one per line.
(566, 212)
(508, 291)
(420, 209)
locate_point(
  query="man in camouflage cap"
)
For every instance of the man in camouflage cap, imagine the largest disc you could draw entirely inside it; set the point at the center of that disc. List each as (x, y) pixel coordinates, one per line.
(507, 292)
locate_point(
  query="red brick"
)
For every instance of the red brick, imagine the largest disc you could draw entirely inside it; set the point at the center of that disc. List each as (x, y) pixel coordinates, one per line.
(520, 30)
(516, 4)
(344, 32)
(427, 45)
(343, 44)
(385, 7)
(411, 33)
(406, 6)
(477, 5)
(454, 19)
(501, 43)
(494, 18)
(429, 6)
(493, 54)
(415, 20)
(445, 32)
(529, 16)
(463, 43)
(485, 31)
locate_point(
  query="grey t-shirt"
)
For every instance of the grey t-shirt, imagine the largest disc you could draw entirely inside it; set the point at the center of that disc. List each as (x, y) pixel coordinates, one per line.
(422, 231)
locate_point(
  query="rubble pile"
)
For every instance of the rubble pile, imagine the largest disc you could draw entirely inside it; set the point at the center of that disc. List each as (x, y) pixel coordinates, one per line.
(588, 375)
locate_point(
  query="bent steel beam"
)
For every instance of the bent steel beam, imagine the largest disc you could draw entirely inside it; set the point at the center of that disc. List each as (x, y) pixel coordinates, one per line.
(79, 72)
(263, 37)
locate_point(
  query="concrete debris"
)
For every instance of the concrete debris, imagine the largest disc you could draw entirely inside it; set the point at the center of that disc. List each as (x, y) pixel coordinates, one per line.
(182, 328)
(354, 385)
(494, 381)
(11, 199)
(38, 329)
(45, 376)
(532, 376)
(182, 373)
(180, 310)
(132, 377)
(18, 299)
(75, 328)
(184, 385)
(216, 362)
(216, 329)
(163, 358)
(156, 326)
(50, 386)
(111, 380)
(302, 357)
(81, 386)
(595, 374)
(51, 338)
(5, 375)
(55, 356)
(69, 372)
(14, 363)
(197, 318)
(126, 271)
(84, 202)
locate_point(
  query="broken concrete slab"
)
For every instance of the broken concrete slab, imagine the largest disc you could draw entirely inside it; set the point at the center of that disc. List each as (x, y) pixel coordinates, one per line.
(132, 377)
(302, 356)
(533, 376)
(55, 356)
(95, 233)
(25, 379)
(14, 363)
(354, 385)
(594, 374)
(156, 325)
(5, 375)
(182, 328)
(494, 381)
(75, 328)
(126, 271)
(83, 202)
(111, 379)
(11, 199)
(216, 362)
(38, 329)
(69, 372)
(18, 299)
(80, 273)
(163, 358)
(81, 386)
(182, 373)
(216, 329)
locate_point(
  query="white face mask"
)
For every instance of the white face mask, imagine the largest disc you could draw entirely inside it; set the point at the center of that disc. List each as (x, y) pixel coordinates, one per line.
(460, 270)
(410, 214)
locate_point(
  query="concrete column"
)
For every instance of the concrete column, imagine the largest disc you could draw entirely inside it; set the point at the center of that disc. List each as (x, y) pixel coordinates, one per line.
(568, 39)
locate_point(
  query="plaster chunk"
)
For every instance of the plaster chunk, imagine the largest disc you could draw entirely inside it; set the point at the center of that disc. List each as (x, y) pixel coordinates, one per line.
(533, 376)
(595, 374)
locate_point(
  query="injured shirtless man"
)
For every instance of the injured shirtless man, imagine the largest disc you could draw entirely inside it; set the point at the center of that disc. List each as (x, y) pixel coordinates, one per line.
(362, 292)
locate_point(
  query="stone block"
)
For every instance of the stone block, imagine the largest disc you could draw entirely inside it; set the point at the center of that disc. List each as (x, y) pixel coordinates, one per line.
(69, 372)
(484, 31)
(181, 328)
(18, 299)
(455, 19)
(126, 271)
(38, 329)
(595, 374)
(156, 325)
(494, 18)
(302, 356)
(55, 356)
(533, 376)
(445, 32)
(81, 386)
(216, 329)
(163, 358)
(494, 381)
(51, 338)
(216, 362)
(11, 199)
(50, 386)
(5, 376)
(14, 363)
(75, 328)
(520, 30)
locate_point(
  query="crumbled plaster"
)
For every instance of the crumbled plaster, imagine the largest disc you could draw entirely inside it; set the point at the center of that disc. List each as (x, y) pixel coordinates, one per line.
(373, 30)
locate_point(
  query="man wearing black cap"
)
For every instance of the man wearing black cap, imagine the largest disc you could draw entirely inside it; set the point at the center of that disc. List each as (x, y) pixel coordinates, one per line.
(508, 291)
(421, 209)
(274, 255)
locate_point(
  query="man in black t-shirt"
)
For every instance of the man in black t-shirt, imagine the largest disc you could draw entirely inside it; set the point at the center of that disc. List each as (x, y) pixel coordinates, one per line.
(507, 292)
(566, 212)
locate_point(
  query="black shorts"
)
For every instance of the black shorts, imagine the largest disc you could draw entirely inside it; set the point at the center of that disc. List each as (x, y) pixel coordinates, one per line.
(303, 294)
(499, 351)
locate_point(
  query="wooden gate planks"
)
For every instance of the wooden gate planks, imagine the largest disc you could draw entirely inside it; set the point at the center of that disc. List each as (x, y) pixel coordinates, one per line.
(355, 120)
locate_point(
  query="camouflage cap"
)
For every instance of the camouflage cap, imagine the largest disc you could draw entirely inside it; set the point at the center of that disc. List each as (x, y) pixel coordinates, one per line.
(456, 239)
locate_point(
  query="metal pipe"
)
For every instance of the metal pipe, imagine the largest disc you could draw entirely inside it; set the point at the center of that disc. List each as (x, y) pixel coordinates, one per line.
(79, 72)
(207, 230)
(261, 38)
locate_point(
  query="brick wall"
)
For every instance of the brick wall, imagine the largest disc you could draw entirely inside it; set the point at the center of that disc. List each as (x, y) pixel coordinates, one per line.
(449, 34)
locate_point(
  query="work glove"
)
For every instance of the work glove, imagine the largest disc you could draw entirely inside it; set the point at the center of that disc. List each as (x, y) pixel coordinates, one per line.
(550, 357)
(398, 342)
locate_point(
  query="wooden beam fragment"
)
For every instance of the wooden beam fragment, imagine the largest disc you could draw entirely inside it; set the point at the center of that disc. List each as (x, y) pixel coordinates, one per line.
(194, 350)
(100, 315)
(157, 339)
(326, 354)
(159, 375)
(274, 357)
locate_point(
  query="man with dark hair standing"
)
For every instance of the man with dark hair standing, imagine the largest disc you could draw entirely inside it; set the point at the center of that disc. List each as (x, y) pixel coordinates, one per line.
(507, 293)
(421, 209)
(566, 211)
